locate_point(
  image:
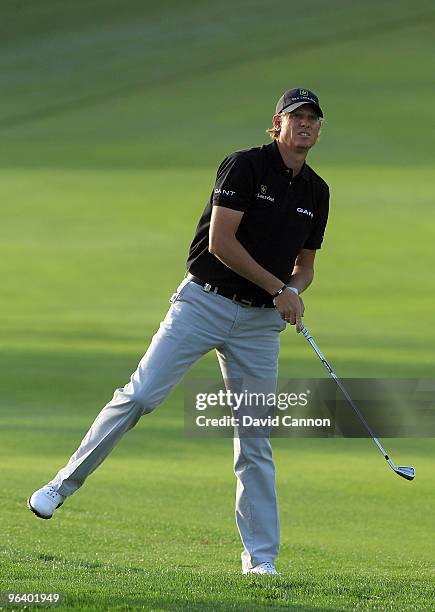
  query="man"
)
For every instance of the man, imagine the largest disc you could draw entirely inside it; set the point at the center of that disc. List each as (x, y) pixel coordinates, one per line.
(252, 255)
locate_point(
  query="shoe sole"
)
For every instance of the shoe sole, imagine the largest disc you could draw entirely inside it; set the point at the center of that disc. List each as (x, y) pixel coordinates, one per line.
(249, 573)
(36, 513)
(262, 574)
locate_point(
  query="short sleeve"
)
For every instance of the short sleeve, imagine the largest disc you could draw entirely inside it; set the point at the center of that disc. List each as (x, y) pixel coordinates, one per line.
(315, 239)
(234, 186)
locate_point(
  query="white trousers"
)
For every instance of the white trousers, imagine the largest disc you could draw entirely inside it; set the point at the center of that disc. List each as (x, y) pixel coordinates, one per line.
(246, 340)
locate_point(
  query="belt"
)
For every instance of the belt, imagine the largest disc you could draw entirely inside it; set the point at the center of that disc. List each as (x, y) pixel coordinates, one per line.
(234, 297)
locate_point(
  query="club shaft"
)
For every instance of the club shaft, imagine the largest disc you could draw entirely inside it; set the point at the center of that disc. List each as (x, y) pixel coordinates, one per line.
(310, 339)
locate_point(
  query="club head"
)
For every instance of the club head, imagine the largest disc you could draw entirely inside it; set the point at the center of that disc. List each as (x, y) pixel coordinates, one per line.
(405, 472)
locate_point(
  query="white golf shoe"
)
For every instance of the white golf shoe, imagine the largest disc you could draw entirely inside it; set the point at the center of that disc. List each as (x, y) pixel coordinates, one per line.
(44, 502)
(262, 568)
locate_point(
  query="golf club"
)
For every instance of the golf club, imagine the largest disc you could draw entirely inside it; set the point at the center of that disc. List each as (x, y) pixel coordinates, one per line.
(404, 471)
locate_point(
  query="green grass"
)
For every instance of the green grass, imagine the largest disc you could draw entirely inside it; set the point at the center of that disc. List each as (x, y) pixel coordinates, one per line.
(113, 121)
(353, 536)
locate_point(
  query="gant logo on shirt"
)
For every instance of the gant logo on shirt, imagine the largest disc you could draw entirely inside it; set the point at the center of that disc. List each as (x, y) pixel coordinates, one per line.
(226, 192)
(304, 211)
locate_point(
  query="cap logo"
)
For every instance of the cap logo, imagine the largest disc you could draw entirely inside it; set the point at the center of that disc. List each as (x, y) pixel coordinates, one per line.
(296, 97)
(263, 189)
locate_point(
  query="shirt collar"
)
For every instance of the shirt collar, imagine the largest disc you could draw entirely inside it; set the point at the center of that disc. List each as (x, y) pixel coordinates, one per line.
(279, 164)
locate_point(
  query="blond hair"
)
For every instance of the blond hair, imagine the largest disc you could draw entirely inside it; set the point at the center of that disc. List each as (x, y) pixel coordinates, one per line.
(275, 130)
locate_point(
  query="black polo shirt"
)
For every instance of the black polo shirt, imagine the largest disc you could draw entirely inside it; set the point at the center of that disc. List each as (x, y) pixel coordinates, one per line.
(282, 215)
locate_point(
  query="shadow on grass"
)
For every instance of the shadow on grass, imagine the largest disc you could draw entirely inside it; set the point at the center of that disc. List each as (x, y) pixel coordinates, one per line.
(94, 585)
(120, 603)
(89, 99)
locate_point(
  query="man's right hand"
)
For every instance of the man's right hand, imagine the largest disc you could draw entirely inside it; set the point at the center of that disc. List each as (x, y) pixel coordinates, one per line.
(291, 308)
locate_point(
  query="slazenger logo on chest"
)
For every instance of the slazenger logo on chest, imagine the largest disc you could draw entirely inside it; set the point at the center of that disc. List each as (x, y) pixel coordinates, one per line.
(304, 211)
(263, 195)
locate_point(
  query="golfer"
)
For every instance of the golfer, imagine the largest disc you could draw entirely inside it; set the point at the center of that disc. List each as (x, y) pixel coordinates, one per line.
(250, 259)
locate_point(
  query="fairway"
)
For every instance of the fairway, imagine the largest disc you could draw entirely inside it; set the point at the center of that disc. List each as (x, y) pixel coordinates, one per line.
(112, 126)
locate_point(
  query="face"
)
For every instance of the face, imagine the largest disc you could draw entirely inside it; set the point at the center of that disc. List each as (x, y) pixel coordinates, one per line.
(300, 128)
